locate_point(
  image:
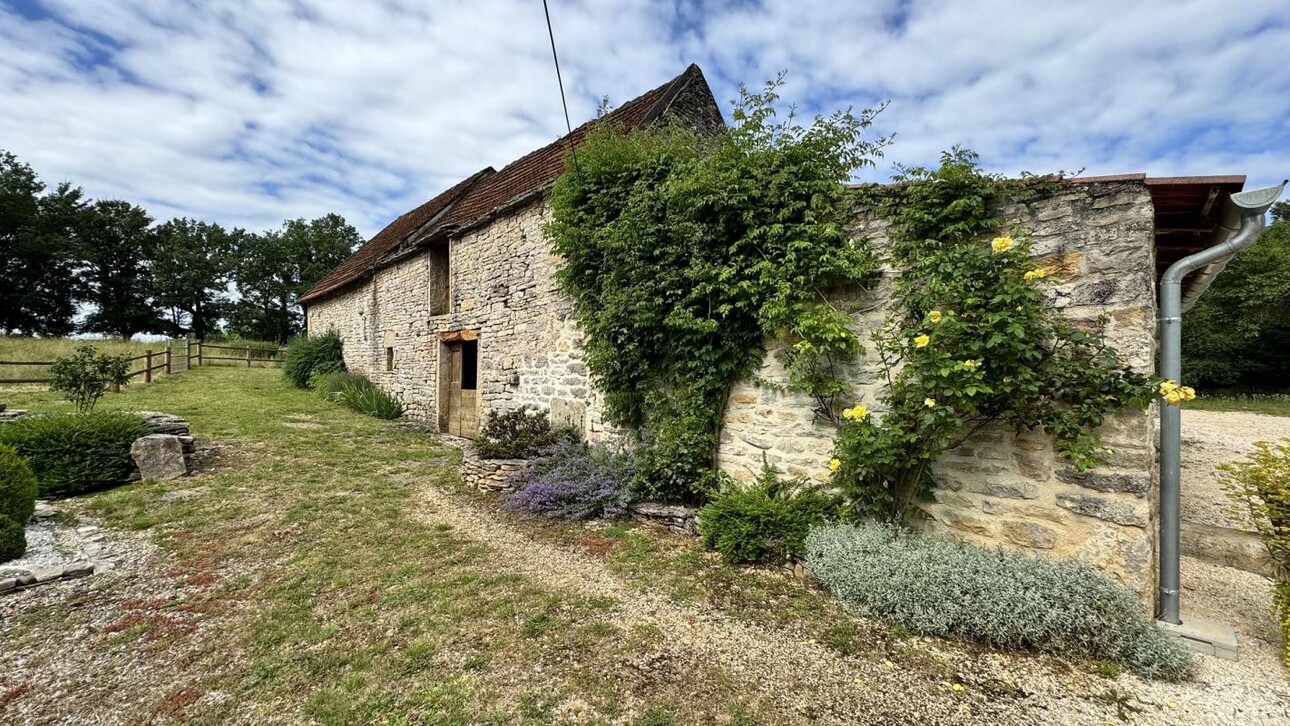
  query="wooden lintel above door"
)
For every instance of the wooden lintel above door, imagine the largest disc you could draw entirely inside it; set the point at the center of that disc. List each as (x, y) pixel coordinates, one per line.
(456, 336)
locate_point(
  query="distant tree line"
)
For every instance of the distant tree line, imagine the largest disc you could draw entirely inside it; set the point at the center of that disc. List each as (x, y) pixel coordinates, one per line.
(61, 253)
(1238, 333)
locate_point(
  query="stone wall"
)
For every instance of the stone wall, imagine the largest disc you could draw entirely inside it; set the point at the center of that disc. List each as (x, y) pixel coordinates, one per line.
(999, 489)
(502, 284)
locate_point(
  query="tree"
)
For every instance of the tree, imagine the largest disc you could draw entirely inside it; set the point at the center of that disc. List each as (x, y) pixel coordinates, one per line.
(118, 247)
(1238, 333)
(191, 272)
(37, 252)
(275, 268)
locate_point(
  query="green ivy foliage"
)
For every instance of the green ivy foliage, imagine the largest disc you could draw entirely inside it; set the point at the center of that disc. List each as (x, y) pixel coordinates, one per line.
(683, 252)
(972, 341)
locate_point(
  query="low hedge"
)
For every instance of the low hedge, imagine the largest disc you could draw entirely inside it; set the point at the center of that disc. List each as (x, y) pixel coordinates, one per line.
(73, 453)
(955, 589)
(13, 540)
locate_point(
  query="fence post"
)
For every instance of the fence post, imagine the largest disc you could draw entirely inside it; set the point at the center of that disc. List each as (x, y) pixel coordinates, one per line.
(147, 366)
(199, 353)
(248, 356)
(167, 358)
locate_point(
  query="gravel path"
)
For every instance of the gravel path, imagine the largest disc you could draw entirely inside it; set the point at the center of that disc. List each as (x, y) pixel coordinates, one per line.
(814, 683)
(1209, 439)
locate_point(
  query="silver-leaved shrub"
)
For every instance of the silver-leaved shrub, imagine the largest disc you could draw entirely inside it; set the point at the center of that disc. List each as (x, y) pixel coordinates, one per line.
(1010, 599)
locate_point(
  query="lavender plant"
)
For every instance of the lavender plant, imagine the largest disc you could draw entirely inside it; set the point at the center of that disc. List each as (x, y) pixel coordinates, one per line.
(574, 480)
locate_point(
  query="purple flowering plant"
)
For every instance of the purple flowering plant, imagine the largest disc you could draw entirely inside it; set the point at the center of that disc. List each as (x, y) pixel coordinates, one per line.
(574, 480)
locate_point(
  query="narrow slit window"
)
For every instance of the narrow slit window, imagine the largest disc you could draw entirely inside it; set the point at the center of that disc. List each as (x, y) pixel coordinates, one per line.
(438, 283)
(389, 358)
(469, 364)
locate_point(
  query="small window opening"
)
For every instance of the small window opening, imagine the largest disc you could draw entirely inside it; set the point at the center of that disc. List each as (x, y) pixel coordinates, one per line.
(389, 358)
(439, 280)
(469, 364)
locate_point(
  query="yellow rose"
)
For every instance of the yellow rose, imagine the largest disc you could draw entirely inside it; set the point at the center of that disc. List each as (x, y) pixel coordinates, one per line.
(856, 413)
(934, 316)
(921, 341)
(972, 364)
(1002, 244)
(1036, 274)
(834, 465)
(929, 402)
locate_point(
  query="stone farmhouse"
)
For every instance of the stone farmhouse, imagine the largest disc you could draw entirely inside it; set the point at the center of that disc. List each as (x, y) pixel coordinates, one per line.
(454, 308)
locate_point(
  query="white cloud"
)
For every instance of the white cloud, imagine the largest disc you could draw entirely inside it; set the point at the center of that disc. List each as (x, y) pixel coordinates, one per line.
(251, 112)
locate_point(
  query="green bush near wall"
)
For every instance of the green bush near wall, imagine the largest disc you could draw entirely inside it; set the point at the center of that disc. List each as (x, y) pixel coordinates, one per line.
(74, 453)
(309, 354)
(766, 522)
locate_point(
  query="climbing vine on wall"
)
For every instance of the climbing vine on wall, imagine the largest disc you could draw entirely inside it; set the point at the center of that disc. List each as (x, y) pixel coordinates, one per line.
(683, 252)
(972, 340)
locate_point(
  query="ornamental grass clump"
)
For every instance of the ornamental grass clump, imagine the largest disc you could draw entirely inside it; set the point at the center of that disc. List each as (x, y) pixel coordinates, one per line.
(358, 393)
(1003, 598)
(1260, 485)
(574, 480)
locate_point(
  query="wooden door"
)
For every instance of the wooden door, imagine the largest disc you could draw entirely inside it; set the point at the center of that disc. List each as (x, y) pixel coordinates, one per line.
(458, 389)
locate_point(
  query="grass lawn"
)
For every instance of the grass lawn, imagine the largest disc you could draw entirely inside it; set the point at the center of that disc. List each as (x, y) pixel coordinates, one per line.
(330, 568)
(1273, 404)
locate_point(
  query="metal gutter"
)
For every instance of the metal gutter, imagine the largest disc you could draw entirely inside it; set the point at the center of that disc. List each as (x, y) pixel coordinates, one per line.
(1242, 224)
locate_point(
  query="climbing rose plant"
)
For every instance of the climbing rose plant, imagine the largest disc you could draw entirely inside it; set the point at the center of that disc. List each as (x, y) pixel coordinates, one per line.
(972, 341)
(682, 253)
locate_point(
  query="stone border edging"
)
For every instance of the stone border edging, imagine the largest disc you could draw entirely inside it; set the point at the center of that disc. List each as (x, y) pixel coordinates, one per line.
(46, 575)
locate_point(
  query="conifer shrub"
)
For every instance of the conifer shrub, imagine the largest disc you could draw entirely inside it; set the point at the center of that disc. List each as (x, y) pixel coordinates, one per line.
(306, 354)
(13, 540)
(17, 502)
(1003, 598)
(73, 453)
(766, 522)
(574, 480)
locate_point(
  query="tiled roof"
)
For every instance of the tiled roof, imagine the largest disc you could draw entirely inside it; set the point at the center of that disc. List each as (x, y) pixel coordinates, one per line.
(366, 258)
(475, 198)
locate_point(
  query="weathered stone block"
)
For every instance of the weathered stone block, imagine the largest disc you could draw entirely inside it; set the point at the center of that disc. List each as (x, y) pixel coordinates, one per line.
(1101, 508)
(159, 456)
(1029, 534)
(1103, 481)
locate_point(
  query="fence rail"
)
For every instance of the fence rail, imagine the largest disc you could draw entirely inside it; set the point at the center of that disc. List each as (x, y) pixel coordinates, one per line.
(178, 355)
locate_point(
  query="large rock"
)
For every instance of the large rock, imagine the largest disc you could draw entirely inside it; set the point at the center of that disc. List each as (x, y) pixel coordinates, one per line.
(163, 423)
(159, 456)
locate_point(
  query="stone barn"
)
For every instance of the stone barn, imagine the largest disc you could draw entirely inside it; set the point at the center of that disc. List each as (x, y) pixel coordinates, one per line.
(454, 308)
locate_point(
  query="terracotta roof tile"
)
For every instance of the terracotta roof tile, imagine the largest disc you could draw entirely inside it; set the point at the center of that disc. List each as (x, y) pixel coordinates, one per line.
(359, 265)
(475, 198)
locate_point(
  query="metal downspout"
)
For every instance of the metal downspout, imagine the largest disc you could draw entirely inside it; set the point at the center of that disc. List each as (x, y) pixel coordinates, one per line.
(1243, 214)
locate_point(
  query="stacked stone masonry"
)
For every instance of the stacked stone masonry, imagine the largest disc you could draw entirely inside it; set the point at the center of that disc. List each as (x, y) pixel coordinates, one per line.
(996, 489)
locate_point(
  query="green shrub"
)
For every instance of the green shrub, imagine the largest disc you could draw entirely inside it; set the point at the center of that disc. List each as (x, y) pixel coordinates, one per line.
(520, 433)
(75, 453)
(955, 589)
(1261, 484)
(305, 354)
(358, 393)
(13, 540)
(83, 376)
(766, 522)
(17, 486)
(17, 502)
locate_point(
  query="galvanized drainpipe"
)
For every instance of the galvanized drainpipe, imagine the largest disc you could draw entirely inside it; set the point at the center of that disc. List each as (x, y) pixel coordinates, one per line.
(1241, 225)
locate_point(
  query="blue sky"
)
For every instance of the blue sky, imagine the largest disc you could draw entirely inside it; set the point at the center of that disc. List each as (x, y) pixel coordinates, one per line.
(247, 112)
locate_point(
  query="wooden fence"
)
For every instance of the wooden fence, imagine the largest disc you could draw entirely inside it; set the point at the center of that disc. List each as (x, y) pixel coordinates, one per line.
(178, 355)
